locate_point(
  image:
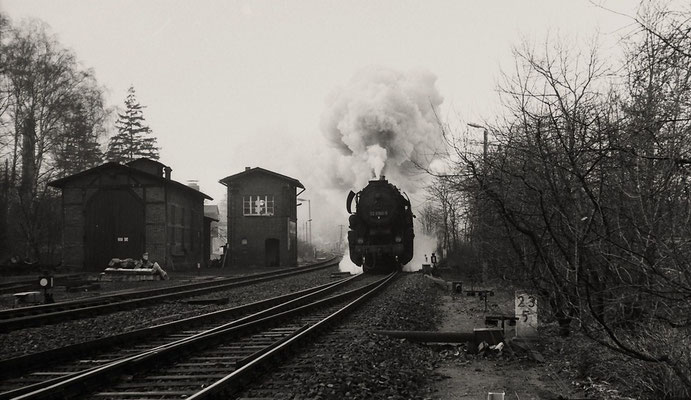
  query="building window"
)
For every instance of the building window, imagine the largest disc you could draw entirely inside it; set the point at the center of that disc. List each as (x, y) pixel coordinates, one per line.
(258, 205)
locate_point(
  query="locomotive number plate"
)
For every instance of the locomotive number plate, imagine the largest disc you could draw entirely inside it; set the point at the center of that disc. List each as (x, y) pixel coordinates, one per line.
(378, 213)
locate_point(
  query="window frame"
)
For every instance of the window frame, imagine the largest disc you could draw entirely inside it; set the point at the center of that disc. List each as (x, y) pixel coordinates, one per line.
(249, 207)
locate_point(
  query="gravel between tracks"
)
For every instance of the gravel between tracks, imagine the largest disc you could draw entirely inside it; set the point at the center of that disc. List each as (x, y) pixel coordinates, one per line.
(370, 366)
(43, 338)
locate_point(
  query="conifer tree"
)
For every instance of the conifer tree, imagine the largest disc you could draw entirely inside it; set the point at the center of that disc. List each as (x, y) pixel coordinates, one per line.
(134, 138)
(79, 148)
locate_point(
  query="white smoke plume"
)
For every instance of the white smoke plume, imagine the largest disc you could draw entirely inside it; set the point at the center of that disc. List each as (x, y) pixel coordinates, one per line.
(376, 158)
(423, 247)
(346, 265)
(383, 122)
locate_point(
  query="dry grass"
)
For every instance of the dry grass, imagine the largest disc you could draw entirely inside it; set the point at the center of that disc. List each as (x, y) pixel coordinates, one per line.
(611, 375)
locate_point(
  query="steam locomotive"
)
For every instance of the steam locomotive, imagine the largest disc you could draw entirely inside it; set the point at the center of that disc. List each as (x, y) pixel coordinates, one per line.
(381, 235)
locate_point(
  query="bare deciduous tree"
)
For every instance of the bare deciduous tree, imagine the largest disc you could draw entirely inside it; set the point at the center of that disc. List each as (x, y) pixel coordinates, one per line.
(590, 189)
(45, 86)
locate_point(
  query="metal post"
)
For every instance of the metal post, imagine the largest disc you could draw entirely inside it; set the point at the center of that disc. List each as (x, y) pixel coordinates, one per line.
(309, 221)
(340, 239)
(308, 233)
(480, 209)
(484, 145)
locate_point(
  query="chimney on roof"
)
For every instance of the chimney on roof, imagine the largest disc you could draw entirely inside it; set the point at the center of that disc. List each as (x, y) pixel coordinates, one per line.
(167, 171)
(247, 168)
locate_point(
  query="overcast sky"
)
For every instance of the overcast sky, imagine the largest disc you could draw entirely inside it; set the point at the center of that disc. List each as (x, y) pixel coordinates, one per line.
(229, 84)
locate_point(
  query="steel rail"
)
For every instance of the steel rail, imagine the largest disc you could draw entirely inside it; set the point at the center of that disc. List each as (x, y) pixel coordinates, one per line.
(235, 381)
(46, 314)
(17, 366)
(91, 379)
(32, 281)
(130, 294)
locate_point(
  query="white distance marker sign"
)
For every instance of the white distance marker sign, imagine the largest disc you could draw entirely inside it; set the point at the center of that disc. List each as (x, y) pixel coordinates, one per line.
(526, 312)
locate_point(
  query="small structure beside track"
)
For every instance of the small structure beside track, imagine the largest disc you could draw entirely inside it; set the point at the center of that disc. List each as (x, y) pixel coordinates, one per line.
(262, 218)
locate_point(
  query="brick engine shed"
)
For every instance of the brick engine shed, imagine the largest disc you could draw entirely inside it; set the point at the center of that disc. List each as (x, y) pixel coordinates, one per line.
(262, 218)
(122, 210)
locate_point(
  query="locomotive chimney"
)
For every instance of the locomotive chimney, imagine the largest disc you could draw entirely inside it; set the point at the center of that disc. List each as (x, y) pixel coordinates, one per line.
(167, 171)
(382, 178)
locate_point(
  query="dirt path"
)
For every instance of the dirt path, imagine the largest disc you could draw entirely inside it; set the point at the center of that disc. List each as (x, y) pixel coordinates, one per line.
(465, 376)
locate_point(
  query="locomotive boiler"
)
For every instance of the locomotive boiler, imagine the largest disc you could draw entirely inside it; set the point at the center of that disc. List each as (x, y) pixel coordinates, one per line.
(380, 236)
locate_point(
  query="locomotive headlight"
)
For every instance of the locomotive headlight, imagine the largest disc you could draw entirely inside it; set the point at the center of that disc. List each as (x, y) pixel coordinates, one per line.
(360, 241)
(398, 239)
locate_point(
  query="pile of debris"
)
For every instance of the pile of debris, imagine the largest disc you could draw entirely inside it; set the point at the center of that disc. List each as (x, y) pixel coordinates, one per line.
(133, 270)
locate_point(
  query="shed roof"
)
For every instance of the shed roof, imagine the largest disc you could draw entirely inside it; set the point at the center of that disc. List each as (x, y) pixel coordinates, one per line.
(211, 211)
(145, 161)
(209, 218)
(250, 171)
(59, 183)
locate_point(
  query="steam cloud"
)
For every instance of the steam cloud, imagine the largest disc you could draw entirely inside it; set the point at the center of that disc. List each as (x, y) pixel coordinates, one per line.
(383, 122)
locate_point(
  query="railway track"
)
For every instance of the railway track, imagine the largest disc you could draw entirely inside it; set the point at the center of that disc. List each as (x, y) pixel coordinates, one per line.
(28, 369)
(205, 362)
(18, 285)
(354, 361)
(25, 317)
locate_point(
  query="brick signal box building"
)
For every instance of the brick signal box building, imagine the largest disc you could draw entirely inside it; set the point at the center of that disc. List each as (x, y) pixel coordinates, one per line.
(122, 210)
(262, 218)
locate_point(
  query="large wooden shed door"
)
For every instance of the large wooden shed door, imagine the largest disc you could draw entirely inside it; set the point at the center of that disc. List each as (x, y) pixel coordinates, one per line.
(273, 252)
(114, 228)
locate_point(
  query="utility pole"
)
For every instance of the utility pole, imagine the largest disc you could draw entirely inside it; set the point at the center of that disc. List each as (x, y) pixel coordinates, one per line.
(484, 138)
(309, 220)
(484, 145)
(479, 207)
(340, 238)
